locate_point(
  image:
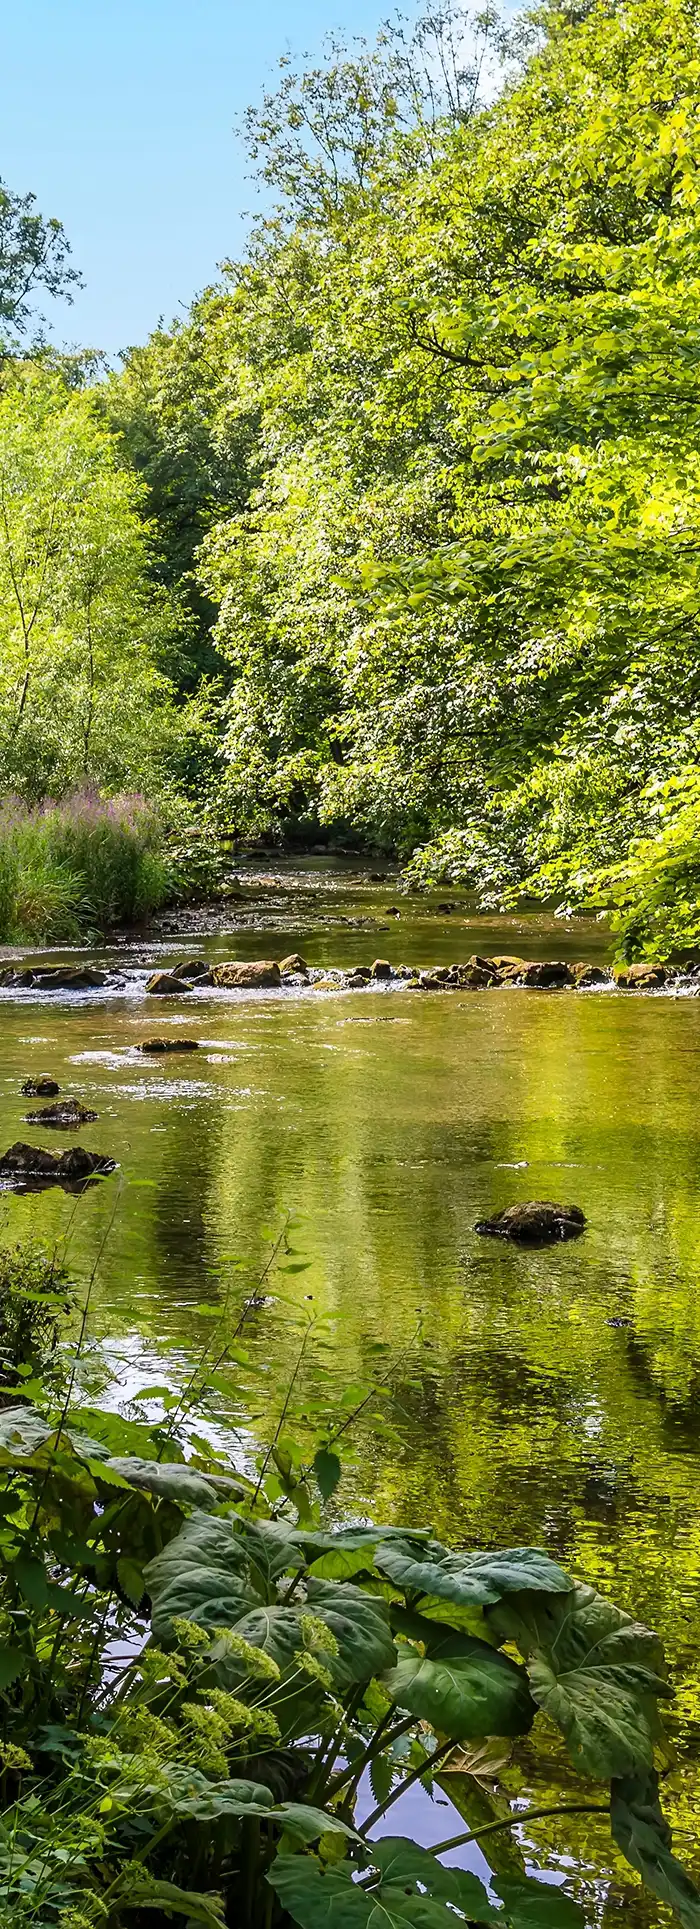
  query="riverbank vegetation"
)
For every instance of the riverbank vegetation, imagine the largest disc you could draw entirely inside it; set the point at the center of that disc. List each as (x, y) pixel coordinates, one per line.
(200, 1666)
(393, 539)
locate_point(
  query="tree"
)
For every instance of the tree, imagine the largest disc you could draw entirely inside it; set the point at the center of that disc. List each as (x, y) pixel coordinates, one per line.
(82, 696)
(34, 257)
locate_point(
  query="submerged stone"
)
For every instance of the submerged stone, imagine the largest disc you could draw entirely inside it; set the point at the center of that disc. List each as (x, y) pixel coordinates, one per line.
(66, 1112)
(168, 1045)
(41, 1087)
(536, 1221)
(68, 978)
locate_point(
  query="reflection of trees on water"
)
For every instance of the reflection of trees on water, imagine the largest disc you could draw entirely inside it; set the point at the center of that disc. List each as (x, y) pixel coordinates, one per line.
(554, 1396)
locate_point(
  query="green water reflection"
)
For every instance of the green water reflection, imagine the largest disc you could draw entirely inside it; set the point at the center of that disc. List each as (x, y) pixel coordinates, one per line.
(555, 1396)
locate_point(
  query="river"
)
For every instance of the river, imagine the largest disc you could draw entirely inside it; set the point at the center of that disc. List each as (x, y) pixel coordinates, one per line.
(545, 1396)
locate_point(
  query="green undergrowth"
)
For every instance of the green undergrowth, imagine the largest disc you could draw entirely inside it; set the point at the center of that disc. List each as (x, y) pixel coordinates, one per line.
(202, 1661)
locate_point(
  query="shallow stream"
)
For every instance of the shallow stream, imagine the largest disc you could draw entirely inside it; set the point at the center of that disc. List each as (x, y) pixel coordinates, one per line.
(551, 1396)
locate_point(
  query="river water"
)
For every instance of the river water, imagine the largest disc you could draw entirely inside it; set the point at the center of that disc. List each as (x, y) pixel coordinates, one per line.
(548, 1396)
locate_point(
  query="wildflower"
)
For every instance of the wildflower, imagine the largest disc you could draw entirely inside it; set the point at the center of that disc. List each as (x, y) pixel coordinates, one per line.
(255, 1660)
(266, 1726)
(315, 1634)
(188, 1633)
(140, 1728)
(156, 1666)
(13, 1757)
(311, 1665)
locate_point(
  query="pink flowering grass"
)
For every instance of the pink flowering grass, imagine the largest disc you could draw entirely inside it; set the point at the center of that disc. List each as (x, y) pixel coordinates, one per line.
(77, 866)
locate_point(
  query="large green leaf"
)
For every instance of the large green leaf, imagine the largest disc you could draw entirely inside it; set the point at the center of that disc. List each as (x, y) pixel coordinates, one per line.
(469, 1579)
(528, 1904)
(203, 1575)
(463, 1688)
(319, 1898)
(594, 1671)
(642, 1833)
(360, 1623)
(188, 1792)
(169, 1480)
(414, 1891)
(402, 1864)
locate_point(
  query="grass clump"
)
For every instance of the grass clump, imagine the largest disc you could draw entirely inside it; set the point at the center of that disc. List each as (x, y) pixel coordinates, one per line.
(75, 868)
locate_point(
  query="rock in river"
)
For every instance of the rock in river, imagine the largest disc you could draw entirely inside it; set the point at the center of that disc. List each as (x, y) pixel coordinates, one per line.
(234, 976)
(536, 1221)
(30, 1164)
(164, 983)
(41, 1087)
(294, 963)
(168, 1045)
(67, 1112)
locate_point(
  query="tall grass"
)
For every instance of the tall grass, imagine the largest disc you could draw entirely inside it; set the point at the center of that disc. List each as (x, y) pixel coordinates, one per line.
(72, 869)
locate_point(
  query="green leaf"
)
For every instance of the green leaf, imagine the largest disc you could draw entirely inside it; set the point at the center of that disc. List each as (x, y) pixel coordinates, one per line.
(594, 1671)
(463, 1688)
(401, 1863)
(30, 1575)
(307, 1824)
(168, 1898)
(327, 1471)
(319, 1898)
(360, 1623)
(381, 1776)
(189, 1792)
(203, 1574)
(642, 1833)
(168, 1480)
(469, 1579)
(130, 1578)
(12, 1664)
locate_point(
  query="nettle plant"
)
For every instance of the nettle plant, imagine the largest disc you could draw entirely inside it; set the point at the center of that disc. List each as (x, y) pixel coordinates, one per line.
(196, 1678)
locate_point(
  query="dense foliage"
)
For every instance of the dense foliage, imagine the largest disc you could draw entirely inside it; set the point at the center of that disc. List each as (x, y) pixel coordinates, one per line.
(196, 1675)
(396, 534)
(450, 396)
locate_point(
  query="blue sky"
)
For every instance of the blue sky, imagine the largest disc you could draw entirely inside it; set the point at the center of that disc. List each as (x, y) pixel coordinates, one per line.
(118, 115)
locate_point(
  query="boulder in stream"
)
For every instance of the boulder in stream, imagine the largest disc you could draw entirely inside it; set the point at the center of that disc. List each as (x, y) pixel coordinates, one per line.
(168, 1045)
(164, 984)
(68, 978)
(31, 1166)
(41, 1087)
(232, 975)
(535, 1222)
(66, 1113)
(381, 968)
(642, 977)
(294, 963)
(590, 974)
(191, 969)
(537, 976)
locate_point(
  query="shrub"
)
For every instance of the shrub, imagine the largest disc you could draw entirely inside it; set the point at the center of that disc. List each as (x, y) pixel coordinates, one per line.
(72, 868)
